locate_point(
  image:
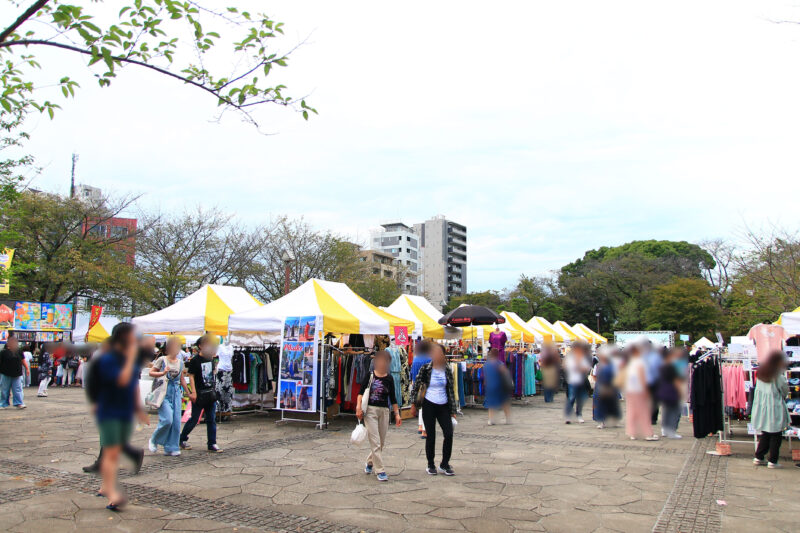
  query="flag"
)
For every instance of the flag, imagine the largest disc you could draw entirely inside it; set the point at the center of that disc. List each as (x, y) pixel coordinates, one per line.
(5, 264)
(96, 312)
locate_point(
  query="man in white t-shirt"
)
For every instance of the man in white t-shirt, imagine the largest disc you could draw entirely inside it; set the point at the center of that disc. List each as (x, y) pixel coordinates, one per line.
(577, 366)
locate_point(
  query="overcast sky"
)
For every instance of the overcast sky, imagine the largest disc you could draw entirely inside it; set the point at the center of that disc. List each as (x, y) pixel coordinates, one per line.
(548, 128)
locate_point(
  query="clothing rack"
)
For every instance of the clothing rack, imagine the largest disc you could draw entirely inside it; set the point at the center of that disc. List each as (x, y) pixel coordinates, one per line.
(259, 408)
(724, 436)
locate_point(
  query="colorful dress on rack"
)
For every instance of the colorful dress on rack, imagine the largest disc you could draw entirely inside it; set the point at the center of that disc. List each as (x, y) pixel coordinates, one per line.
(498, 340)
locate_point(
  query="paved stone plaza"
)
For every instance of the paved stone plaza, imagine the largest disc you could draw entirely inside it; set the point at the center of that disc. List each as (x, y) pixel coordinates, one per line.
(536, 475)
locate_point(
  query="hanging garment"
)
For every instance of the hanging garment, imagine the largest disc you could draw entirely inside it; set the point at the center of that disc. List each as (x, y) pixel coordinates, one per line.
(498, 340)
(706, 397)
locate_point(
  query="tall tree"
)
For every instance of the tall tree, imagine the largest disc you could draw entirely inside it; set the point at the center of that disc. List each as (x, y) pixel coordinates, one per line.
(59, 252)
(178, 254)
(684, 305)
(616, 281)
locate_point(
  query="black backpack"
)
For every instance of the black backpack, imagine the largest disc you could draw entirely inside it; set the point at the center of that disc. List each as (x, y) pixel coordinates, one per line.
(91, 377)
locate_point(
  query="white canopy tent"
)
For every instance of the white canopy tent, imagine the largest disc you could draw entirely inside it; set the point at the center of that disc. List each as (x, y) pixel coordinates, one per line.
(204, 311)
(425, 316)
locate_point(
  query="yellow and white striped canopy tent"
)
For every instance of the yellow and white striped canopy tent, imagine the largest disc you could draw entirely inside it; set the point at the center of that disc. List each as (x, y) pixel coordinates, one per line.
(596, 338)
(425, 316)
(567, 332)
(341, 310)
(98, 333)
(541, 324)
(204, 311)
(514, 320)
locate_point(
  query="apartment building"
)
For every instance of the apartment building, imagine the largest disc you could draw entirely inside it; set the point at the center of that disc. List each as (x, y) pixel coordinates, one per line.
(399, 241)
(443, 247)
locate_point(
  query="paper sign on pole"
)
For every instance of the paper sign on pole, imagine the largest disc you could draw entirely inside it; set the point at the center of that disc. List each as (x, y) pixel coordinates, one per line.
(5, 263)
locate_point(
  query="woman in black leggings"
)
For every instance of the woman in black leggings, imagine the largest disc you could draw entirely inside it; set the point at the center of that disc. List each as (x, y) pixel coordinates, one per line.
(433, 392)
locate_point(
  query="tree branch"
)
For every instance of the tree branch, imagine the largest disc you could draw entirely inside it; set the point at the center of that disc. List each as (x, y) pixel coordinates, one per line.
(39, 4)
(122, 59)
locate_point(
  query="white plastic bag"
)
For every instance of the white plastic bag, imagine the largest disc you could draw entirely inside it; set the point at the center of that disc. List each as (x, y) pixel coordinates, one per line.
(359, 435)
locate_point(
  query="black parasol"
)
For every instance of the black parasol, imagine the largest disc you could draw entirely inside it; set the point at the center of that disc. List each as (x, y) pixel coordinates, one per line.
(471, 315)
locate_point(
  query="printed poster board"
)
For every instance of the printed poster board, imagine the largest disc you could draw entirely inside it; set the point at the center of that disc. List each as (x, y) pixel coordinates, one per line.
(28, 316)
(297, 383)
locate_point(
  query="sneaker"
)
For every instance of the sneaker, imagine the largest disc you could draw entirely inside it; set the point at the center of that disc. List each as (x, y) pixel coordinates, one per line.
(581, 421)
(41, 395)
(490, 423)
(368, 468)
(152, 447)
(6, 407)
(773, 465)
(383, 477)
(214, 448)
(675, 436)
(446, 470)
(652, 438)
(431, 470)
(185, 445)
(424, 435)
(176, 453)
(601, 426)
(758, 462)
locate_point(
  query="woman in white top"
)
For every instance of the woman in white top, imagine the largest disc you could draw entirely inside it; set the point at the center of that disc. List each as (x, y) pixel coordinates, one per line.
(225, 381)
(637, 398)
(433, 392)
(170, 367)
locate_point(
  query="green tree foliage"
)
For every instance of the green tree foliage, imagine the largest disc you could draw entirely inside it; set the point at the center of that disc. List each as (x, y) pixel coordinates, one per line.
(376, 290)
(169, 37)
(684, 305)
(58, 255)
(617, 281)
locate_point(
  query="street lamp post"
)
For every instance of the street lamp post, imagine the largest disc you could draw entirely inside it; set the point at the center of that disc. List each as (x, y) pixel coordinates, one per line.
(597, 315)
(287, 258)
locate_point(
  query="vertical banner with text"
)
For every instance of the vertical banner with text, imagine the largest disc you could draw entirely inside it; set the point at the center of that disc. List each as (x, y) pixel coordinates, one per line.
(5, 263)
(297, 384)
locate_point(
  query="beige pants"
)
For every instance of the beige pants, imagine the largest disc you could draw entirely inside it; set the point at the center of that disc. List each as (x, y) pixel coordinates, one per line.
(377, 421)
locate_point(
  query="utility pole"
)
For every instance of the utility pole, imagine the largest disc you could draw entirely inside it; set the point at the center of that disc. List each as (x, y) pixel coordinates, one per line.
(72, 180)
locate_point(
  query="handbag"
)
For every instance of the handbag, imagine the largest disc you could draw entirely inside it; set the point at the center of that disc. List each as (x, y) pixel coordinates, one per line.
(419, 399)
(206, 397)
(157, 393)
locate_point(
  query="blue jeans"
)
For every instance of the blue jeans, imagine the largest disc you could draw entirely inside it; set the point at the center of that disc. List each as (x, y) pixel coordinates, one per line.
(670, 418)
(12, 386)
(548, 395)
(211, 422)
(168, 432)
(576, 395)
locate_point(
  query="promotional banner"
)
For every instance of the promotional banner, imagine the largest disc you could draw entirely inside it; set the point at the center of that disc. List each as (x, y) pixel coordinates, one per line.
(401, 335)
(95, 317)
(297, 384)
(5, 264)
(7, 314)
(28, 315)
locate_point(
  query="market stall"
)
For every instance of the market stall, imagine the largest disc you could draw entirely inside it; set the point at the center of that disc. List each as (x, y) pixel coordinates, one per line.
(567, 332)
(594, 338)
(541, 324)
(425, 317)
(97, 333)
(204, 311)
(514, 320)
(303, 319)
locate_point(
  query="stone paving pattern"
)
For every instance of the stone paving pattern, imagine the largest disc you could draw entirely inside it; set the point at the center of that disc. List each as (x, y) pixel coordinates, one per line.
(535, 475)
